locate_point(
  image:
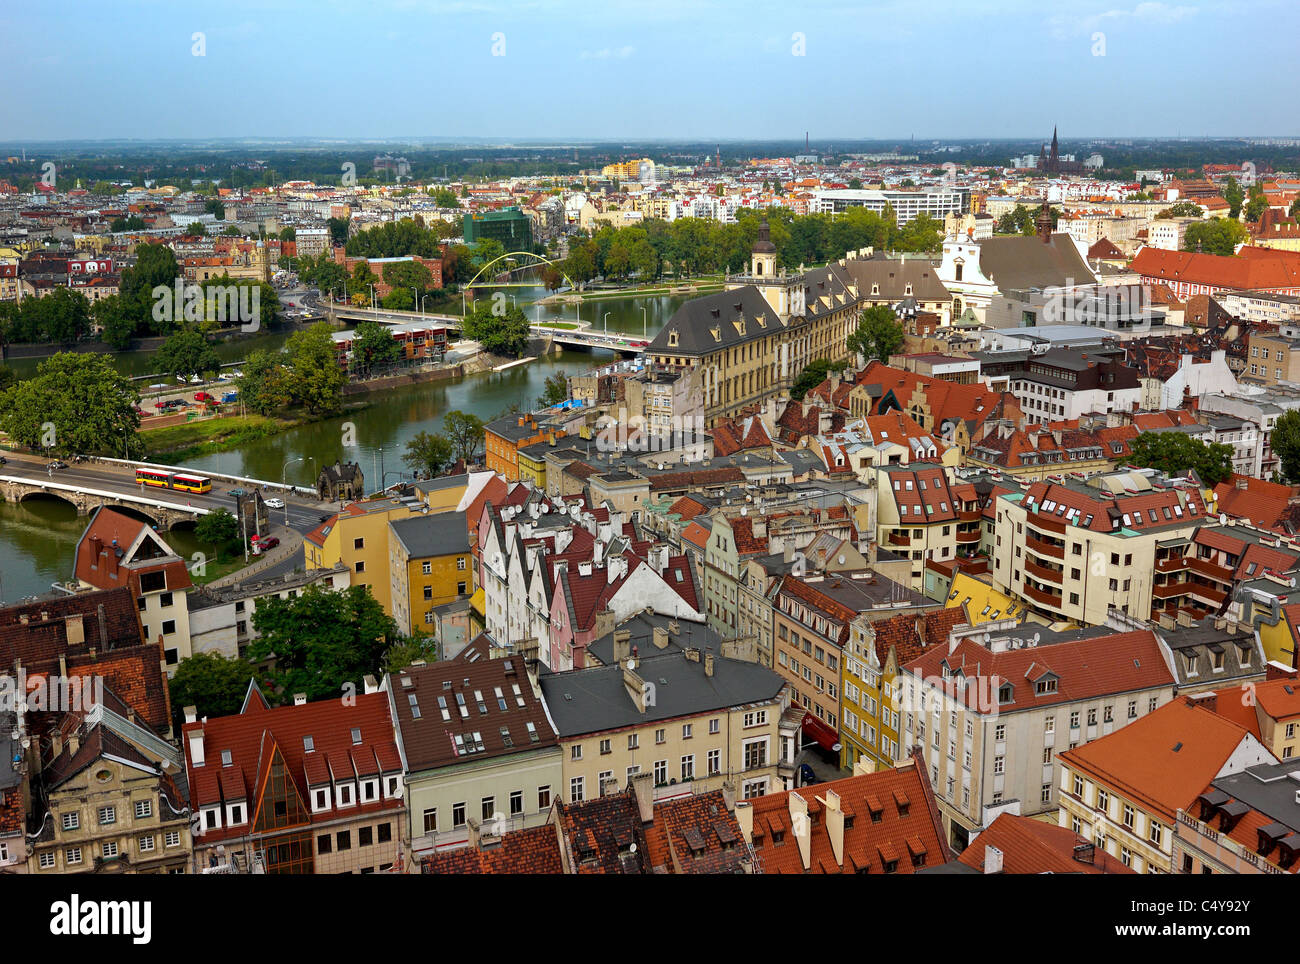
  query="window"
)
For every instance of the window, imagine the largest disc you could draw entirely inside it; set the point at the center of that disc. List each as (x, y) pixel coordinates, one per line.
(604, 747)
(659, 736)
(457, 815)
(661, 772)
(172, 838)
(343, 840)
(109, 849)
(365, 836)
(144, 808)
(715, 762)
(73, 855)
(1078, 785)
(47, 861)
(686, 731)
(1046, 795)
(1128, 816)
(488, 807)
(1156, 833)
(714, 725)
(324, 844)
(426, 568)
(633, 741)
(688, 767)
(575, 752)
(576, 790)
(431, 820)
(71, 821)
(543, 798)
(107, 815)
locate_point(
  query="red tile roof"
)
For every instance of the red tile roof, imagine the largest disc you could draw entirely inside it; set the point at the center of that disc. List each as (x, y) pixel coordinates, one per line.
(1033, 847)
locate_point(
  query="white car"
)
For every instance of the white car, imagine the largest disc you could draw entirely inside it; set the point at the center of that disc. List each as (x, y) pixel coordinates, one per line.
(275, 503)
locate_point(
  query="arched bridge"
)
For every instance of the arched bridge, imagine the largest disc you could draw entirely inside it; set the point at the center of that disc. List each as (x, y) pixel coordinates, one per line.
(162, 513)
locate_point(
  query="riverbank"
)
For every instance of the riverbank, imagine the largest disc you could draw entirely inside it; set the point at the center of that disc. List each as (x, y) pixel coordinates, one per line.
(581, 297)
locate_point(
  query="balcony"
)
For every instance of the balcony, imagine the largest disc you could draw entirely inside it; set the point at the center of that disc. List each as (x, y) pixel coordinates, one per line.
(1044, 548)
(1045, 522)
(899, 539)
(1210, 570)
(972, 515)
(1046, 598)
(1043, 572)
(1172, 564)
(968, 538)
(1205, 592)
(1171, 590)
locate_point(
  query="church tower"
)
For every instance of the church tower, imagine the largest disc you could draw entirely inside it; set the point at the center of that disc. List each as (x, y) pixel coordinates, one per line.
(763, 255)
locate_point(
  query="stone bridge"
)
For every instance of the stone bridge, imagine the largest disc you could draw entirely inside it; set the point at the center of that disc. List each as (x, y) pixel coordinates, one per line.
(162, 514)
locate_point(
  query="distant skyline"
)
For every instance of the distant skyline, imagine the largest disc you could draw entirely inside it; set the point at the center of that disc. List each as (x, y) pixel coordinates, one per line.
(666, 71)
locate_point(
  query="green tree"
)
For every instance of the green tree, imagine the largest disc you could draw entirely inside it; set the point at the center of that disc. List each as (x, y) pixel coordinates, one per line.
(428, 453)
(116, 320)
(288, 234)
(406, 651)
(1183, 209)
(338, 230)
(215, 685)
(878, 335)
(316, 379)
(1235, 196)
(555, 390)
(1256, 205)
(444, 198)
(1174, 452)
(506, 333)
(1294, 209)
(90, 405)
(216, 207)
(1215, 236)
(810, 378)
(186, 353)
(374, 348)
(465, 432)
(321, 641)
(132, 223)
(265, 385)
(220, 530)
(486, 252)
(1286, 443)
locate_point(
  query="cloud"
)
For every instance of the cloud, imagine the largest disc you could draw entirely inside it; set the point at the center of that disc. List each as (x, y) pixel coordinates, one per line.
(607, 53)
(1149, 13)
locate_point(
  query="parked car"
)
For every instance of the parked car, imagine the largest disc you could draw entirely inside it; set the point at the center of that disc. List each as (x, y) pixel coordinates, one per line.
(3, 460)
(58, 464)
(806, 775)
(275, 503)
(203, 397)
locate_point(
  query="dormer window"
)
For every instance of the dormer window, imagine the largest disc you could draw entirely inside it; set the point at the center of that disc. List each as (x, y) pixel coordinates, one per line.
(308, 744)
(1045, 685)
(345, 794)
(1005, 693)
(672, 338)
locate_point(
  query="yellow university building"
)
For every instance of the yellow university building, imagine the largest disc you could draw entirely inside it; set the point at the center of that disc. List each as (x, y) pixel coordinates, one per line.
(429, 566)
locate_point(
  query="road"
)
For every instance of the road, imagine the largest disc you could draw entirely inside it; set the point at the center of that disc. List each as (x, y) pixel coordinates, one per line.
(304, 514)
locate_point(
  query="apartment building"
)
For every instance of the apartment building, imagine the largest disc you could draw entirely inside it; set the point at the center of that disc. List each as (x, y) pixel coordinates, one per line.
(1125, 791)
(918, 514)
(476, 744)
(430, 564)
(117, 550)
(305, 788)
(1246, 822)
(1274, 357)
(992, 717)
(1077, 549)
(691, 718)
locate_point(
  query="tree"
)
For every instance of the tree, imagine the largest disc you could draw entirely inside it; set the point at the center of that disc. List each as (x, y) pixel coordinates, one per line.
(465, 432)
(264, 387)
(1183, 209)
(486, 252)
(321, 641)
(429, 453)
(373, 348)
(215, 685)
(133, 223)
(878, 334)
(407, 651)
(1235, 196)
(810, 378)
(316, 379)
(216, 207)
(220, 530)
(408, 274)
(555, 390)
(187, 353)
(1174, 452)
(855, 184)
(506, 333)
(76, 404)
(1256, 205)
(1294, 209)
(1286, 443)
(1215, 236)
(116, 321)
(338, 230)
(444, 198)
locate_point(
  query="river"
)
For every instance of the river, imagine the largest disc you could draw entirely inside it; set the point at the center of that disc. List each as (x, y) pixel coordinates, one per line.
(38, 537)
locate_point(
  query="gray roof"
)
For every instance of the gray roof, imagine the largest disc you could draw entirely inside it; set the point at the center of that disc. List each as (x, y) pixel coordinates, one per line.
(436, 534)
(1017, 262)
(893, 276)
(695, 321)
(642, 626)
(1266, 788)
(592, 700)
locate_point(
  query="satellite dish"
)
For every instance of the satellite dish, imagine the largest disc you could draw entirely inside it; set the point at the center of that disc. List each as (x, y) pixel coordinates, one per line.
(399, 791)
(631, 664)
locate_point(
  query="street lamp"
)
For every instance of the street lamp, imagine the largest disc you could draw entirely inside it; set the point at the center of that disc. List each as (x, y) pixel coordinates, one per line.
(423, 299)
(372, 298)
(415, 293)
(606, 322)
(283, 485)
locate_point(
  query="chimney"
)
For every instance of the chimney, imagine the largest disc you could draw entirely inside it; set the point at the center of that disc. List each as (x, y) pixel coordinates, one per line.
(299, 699)
(708, 664)
(103, 627)
(834, 824)
(370, 683)
(729, 795)
(635, 686)
(191, 714)
(196, 745)
(692, 654)
(644, 792)
(475, 835)
(622, 644)
(56, 744)
(745, 817)
(801, 827)
(660, 637)
(992, 860)
(74, 741)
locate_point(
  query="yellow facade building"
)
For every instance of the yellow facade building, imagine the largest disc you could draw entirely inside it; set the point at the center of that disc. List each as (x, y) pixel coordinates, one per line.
(430, 565)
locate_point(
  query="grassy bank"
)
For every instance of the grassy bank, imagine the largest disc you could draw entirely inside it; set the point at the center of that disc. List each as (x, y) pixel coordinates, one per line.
(207, 436)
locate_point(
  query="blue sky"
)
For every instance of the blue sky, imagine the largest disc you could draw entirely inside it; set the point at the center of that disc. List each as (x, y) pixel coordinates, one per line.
(672, 69)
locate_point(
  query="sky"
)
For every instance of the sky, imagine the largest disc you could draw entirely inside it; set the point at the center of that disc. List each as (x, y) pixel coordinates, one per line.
(603, 70)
